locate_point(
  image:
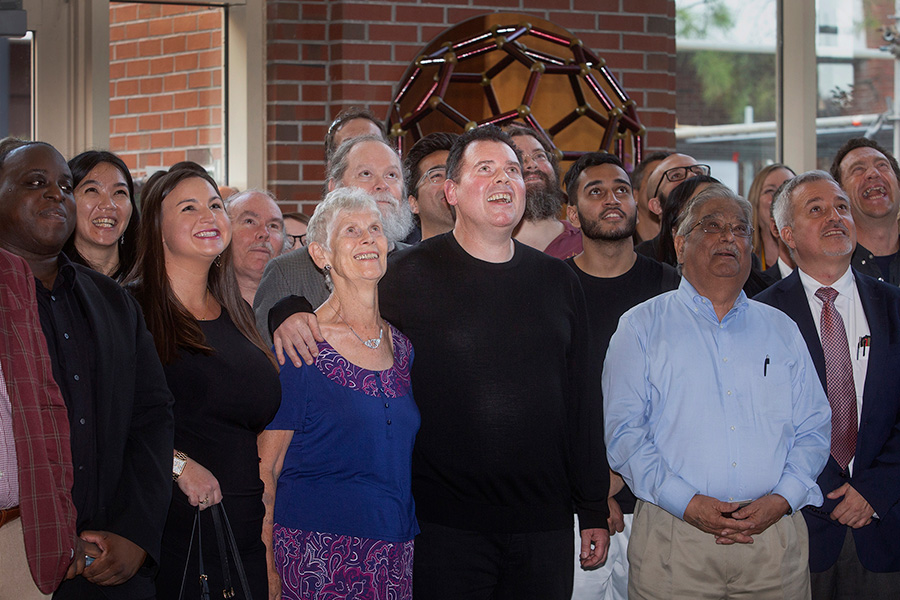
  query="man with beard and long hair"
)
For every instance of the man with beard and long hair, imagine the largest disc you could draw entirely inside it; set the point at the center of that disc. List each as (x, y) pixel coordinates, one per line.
(365, 162)
(541, 227)
(614, 278)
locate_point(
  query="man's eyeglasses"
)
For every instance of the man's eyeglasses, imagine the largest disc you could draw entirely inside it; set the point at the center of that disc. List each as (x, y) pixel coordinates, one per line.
(538, 156)
(679, 174)
(717, 227)
(436, 175)
(296, 240)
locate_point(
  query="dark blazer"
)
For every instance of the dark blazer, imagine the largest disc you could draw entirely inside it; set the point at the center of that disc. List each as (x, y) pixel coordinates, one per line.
(876, 468)
(773, 274)
(135, 429)
(40, 428)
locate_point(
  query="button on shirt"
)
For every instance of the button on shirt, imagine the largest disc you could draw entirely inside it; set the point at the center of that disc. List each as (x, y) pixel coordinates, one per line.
(69, 344)
(9, 473)
(732, 409)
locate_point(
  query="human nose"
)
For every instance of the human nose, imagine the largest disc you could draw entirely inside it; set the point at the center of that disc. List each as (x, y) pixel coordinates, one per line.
(106, 202)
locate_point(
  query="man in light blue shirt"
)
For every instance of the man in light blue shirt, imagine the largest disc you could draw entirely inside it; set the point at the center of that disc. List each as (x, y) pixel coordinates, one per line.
(716, 419)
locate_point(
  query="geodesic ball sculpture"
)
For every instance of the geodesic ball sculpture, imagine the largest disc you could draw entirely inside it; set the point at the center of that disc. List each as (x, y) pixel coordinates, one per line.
(519, 68)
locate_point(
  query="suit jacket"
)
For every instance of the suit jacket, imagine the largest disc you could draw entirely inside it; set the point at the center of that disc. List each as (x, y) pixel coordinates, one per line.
(40, 429)
(876, 467)
(135, 430)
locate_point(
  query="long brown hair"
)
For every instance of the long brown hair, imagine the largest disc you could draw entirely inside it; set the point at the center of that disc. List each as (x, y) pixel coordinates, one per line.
(171, 324)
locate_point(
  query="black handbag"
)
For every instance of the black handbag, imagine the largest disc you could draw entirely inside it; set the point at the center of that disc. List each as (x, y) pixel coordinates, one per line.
(225, 540)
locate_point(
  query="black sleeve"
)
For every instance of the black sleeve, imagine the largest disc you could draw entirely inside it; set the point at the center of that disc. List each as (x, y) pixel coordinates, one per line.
(286, 307)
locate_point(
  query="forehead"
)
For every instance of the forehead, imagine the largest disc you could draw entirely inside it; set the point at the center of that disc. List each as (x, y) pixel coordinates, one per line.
(435, 159)
(777, 176)
(606, 173)
(193, 187)
(372, 153)
(260, 204)
(488, 150)
(35, 156)
(823, 188)
(355, 128)
(865, 155)
(724, 207)
(106, 170)
(357, 215)
(676, 160)
(527, 143)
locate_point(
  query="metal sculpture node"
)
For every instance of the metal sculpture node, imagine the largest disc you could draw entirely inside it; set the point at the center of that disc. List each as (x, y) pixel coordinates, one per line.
(595, 94)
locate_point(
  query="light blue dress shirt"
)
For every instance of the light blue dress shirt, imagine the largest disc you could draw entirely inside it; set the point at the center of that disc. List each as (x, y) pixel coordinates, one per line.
(732, 410)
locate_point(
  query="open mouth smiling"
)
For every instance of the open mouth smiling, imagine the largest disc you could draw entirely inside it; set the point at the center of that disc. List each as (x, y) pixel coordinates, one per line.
(501, 197)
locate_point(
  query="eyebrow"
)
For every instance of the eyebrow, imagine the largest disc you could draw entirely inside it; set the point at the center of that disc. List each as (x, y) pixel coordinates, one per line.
(96, 182)
(600, 181)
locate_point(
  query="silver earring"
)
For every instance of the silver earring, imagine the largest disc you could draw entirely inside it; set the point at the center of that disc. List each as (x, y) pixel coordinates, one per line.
(218, 261)
(327, 268)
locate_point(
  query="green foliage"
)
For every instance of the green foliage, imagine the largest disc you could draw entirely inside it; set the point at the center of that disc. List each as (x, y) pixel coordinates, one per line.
(729, 82)
(695, 19)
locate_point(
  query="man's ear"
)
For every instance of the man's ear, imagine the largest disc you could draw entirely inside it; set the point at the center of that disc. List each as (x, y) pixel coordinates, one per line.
(773, 228)
(331, 185)
(450, 189)
(655, 206)
(787, 236)
(679, 248)
(572, 214)
(413, 204)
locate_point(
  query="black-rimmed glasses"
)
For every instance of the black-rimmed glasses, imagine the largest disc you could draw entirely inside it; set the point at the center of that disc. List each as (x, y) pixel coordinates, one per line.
(679, 174)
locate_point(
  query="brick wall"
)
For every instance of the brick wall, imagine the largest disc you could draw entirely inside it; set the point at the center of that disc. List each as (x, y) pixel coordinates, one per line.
(323, 56)
(165, 85)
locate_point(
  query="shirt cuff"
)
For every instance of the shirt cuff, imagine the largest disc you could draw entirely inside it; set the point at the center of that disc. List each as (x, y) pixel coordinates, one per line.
(675, 495)
(797, 493)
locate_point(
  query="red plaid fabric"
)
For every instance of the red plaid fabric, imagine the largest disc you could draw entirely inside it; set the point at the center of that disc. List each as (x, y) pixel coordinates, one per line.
(40, 428)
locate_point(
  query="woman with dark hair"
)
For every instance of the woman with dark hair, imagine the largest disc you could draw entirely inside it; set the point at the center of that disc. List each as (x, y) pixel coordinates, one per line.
(224, 379)
(105, 236)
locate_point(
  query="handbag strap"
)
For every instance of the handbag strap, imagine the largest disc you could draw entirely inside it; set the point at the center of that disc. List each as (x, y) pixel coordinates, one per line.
(227, 587)
(223, 530)
(204, 586)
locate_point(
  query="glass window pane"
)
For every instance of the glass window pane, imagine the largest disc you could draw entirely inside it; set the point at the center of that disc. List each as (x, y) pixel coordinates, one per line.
(16, 87)
(855, 76)
(725, 74)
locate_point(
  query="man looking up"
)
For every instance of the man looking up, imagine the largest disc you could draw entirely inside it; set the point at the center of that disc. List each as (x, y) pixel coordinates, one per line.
(850, 323)
(507, 446)
(614, 279)
(257, 237)
(541, 227)
(717, 422)
(648, 221)
(365, 162)
(869, 174)
(109, 374)
(350, 123)
(670, 172)
(426, 172)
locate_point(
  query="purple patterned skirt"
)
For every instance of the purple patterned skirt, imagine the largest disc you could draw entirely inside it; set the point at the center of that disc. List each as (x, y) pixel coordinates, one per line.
(325, 566)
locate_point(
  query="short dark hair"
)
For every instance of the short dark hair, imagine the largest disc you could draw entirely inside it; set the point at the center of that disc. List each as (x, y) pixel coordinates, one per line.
(637, 176)
(518, 129)
(348, 114)
(590, 159)
(853, 144)
(485, 133)
(429, 144)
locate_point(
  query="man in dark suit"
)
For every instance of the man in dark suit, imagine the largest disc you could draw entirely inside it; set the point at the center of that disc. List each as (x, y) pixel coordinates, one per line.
(107, 368)
(851, 324)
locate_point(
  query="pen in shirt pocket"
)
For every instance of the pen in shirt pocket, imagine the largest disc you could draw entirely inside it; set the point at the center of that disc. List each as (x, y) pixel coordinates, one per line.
(766, 366)
(864, 343)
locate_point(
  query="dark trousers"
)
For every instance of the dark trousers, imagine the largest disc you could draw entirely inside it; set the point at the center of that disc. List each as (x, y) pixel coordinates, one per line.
(453, 564)
(847, 579)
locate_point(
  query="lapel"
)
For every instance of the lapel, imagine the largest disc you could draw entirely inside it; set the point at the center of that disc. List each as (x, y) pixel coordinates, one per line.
(873, 303)
(792, 300)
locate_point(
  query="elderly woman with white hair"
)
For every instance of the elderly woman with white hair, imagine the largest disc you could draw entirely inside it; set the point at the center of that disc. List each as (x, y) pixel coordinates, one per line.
(336, 460)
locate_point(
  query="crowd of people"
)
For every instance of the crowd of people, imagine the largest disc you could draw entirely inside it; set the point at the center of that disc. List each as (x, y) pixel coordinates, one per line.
(420, 389)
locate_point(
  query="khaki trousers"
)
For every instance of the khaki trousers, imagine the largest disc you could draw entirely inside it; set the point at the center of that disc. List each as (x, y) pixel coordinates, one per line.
(671, 559)
(15, 575)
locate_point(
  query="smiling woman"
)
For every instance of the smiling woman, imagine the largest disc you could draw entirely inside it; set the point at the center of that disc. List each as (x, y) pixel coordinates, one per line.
(222, 376)
(105, 236)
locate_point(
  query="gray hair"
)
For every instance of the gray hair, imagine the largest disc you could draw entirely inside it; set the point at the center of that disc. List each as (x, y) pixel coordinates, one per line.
(337, 166)
(714, 191)
(782, 210)
(341, 199)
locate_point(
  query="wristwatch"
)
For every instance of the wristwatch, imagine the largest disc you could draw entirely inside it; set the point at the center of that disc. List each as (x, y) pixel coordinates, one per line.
(178, 463)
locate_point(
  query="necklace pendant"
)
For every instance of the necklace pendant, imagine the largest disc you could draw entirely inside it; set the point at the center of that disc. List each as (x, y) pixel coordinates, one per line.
(373, 343)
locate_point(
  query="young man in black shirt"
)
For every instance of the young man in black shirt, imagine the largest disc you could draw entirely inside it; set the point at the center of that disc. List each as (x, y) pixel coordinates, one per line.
(614, 279)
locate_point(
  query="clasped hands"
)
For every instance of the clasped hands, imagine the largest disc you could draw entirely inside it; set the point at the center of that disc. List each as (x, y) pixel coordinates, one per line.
(706, 514)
